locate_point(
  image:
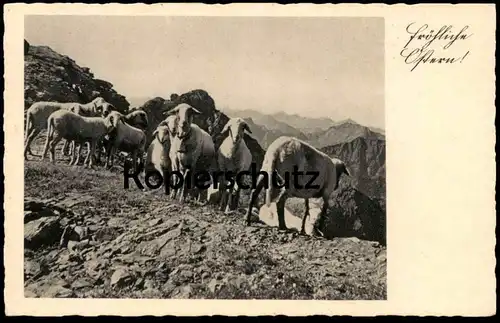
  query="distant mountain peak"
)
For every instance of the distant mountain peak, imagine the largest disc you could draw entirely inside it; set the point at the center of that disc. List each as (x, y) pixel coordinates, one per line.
(345, 121)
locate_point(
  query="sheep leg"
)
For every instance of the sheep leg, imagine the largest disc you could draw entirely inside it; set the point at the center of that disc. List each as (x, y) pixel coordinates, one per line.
(280, 207)
(321, 218)
(46, 148)
(77, 152)
(223, 195)
(306, 214)
(253, 196)
(90, 156)
(65, 151)
(182, 188)
(231, 200)
(107, 156)
(27, 149)
(236, 200)
(73, 152)
(52, 148)
(98, 153)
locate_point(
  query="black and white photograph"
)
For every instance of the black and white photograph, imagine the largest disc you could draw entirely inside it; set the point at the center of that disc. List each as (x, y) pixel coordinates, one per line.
(133, 123)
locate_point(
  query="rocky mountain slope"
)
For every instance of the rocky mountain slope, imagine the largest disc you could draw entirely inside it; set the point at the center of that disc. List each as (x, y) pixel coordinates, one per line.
(86, 236)
(342, 132)
(50, 76)
(283, 120)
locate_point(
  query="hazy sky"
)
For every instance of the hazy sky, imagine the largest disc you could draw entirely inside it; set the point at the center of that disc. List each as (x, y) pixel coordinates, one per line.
(332, 67)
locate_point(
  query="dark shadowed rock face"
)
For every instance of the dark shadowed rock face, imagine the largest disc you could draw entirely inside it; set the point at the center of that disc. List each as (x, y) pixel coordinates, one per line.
(353, 214)
(365, 160)
(50, 76)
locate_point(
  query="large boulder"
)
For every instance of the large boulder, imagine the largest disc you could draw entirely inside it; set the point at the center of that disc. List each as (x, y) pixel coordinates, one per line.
(50, 76)
(351, 214)
(42, 232)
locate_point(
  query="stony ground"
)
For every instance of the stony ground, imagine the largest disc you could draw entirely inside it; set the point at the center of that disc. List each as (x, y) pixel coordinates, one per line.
(86, 236)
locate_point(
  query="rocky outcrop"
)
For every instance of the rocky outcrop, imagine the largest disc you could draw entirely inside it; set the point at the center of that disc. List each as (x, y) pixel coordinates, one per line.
(365, 159)
(351, 214)
(50, 76)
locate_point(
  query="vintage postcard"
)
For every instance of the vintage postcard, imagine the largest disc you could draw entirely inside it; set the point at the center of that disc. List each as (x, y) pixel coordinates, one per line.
(192, 159)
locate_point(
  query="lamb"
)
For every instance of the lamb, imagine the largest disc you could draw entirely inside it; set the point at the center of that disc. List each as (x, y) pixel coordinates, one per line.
(234, 156)
(106, 109)
(157, 157)
(125, 138)
(286, 155)
(137, 119)
(192, 149)
(73, 127)
(38, 113)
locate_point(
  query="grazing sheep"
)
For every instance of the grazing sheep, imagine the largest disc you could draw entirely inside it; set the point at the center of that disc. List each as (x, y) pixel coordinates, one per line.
(158, 154)
(125, 138)
(38, 113)
(281, 157)
(137, 119)
(192, 149)
(73, 127)
(106, 109)
(233, 156)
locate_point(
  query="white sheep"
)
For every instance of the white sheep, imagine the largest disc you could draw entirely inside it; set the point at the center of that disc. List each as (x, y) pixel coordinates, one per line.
(158, 154)
(125, 138)
(137, 119)
(192, 148)
(234, 156)
(106, 109)
(38, 113)
(281, 157)
(71, 126)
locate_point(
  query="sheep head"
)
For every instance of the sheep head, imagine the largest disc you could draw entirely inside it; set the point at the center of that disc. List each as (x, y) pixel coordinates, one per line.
(98, 105)
(236, 127)
(106, 109)
(112, 120)
(162, 133)
(340, 169)
(184, 113)
(171, 123)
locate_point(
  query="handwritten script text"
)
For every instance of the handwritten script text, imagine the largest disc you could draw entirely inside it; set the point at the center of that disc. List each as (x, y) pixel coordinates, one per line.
(432, 46)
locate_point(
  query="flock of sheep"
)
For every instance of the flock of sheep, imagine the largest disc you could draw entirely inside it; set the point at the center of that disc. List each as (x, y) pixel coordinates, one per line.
(181, 145)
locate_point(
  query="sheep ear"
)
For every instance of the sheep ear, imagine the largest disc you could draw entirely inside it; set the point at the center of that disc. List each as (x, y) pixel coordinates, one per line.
(171, 112)
(155, 133)
(247, 128)
(346, 171)
(226, 128)
(194, 110)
